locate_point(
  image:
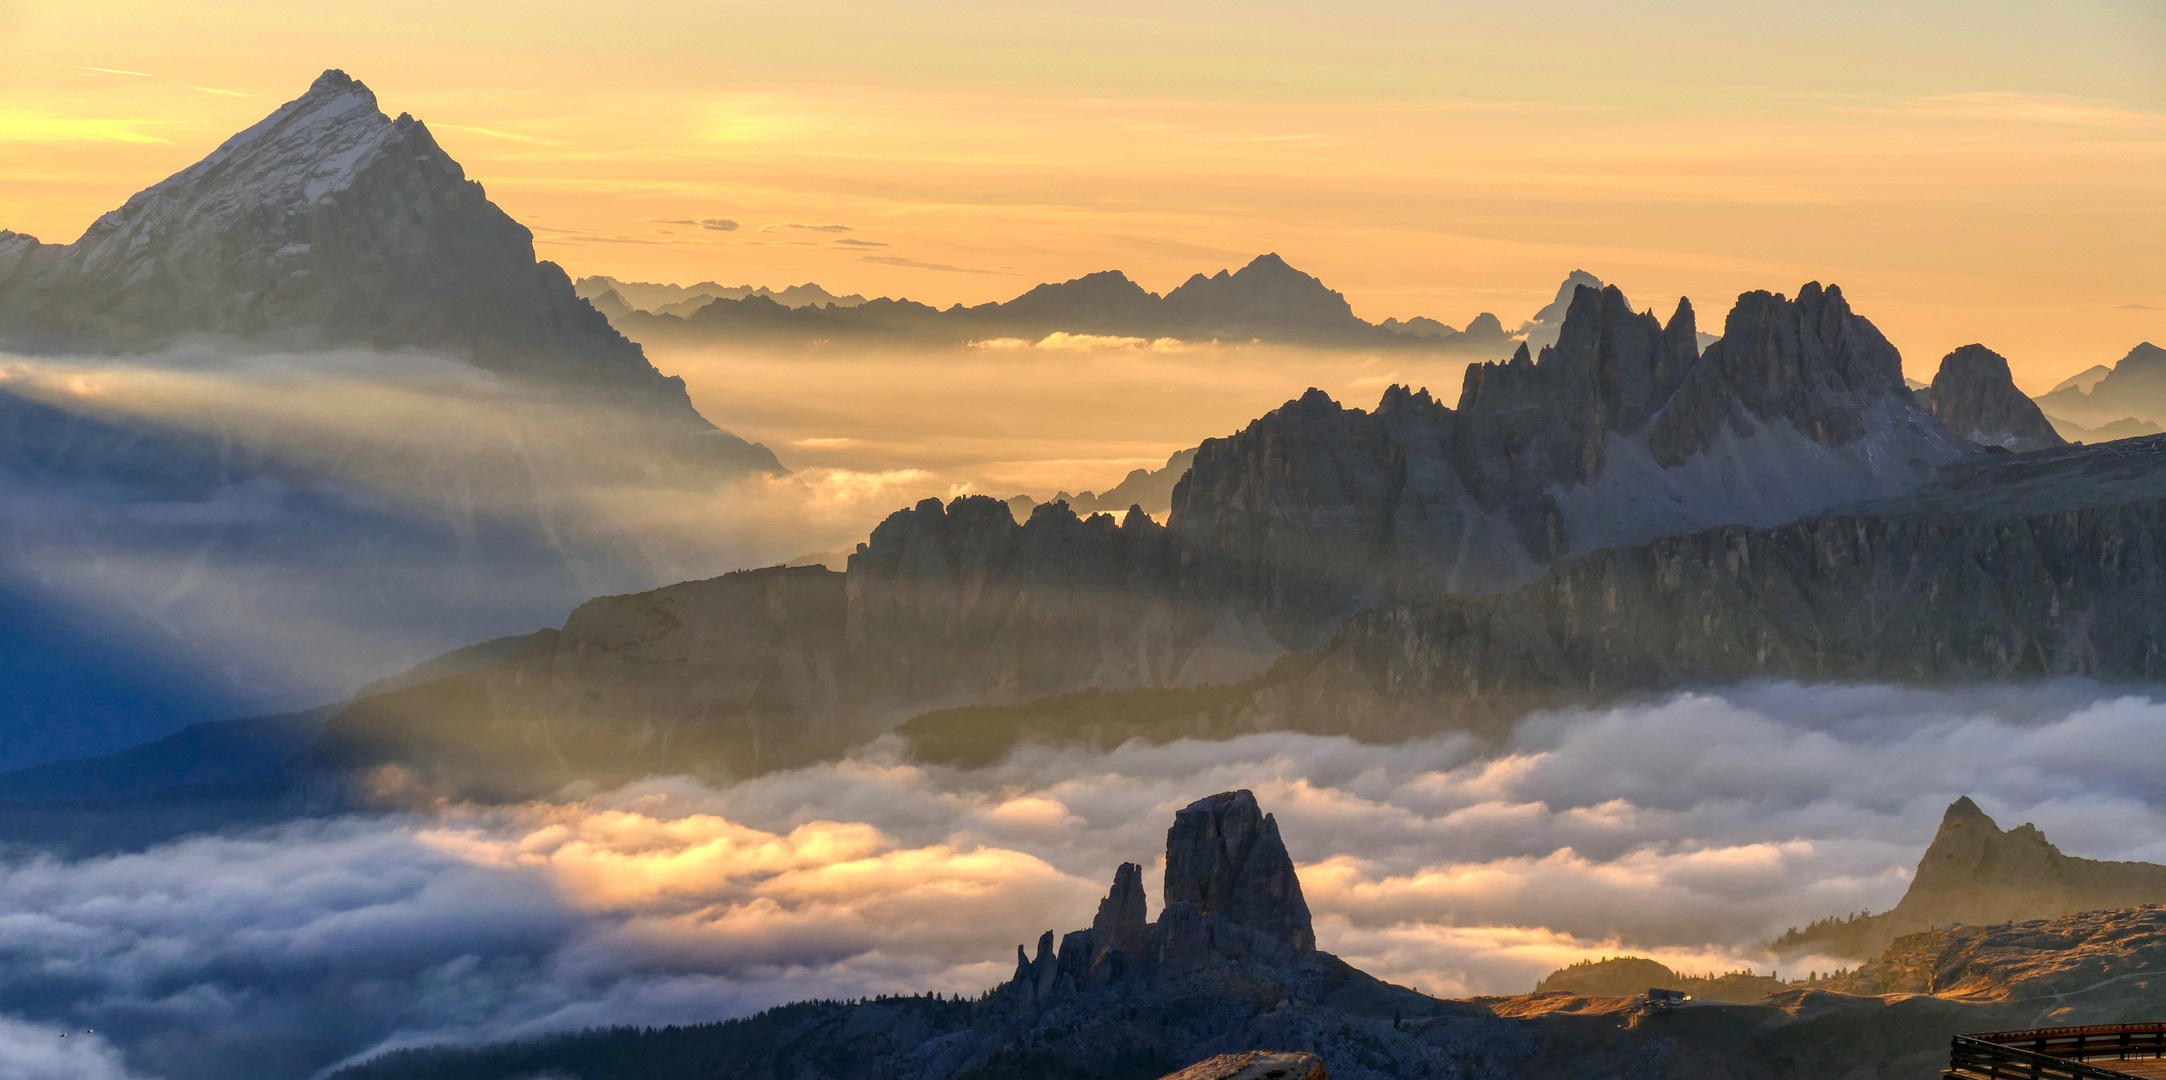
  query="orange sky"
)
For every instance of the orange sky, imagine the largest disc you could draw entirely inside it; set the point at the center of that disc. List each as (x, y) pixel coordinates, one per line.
(1986, 171)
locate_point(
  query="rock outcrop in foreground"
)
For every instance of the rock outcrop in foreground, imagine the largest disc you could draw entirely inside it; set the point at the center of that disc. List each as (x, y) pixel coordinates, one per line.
(1256, 1065)
(1977, 874)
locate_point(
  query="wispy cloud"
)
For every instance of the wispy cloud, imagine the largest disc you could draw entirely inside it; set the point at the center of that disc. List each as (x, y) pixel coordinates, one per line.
(2011, 107)
(495, 134)
(897, 260)
(95, 70)
(853, 242)
(31, 127)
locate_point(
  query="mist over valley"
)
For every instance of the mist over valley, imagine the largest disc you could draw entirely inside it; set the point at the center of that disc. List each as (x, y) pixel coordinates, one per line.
(422, 661)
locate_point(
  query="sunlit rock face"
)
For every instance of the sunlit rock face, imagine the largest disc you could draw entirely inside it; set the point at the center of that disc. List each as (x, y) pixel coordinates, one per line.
(1974, 396)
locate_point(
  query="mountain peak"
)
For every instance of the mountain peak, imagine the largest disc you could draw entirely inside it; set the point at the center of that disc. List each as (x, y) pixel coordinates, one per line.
(1267, 295)
(334, 80)
(327, 223)
(2144, 355)
(1963, 811)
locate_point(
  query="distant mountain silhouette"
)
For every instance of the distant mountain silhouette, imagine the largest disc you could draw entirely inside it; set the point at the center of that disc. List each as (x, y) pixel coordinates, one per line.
(683, 300)
(1977, 874)
(2135, 388)
(1149, 489)
(1266, 300)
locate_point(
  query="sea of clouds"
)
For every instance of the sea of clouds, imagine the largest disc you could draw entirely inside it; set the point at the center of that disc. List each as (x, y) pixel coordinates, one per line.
(1688, 829)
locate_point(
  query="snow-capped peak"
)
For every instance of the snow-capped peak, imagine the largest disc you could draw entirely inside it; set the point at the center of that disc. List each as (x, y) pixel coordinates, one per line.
(308, 150)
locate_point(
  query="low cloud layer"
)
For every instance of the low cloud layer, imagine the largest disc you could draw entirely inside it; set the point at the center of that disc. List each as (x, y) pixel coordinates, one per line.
(1689, 829)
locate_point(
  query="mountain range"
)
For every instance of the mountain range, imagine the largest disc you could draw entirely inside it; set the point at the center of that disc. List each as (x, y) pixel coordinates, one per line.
(1266, 300)
(2134, 388)
(1325, 568)
(1775, 504)
(615, 298)
(1624, 507)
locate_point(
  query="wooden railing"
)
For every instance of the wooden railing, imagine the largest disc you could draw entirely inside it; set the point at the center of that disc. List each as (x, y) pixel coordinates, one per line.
(2064, 1053)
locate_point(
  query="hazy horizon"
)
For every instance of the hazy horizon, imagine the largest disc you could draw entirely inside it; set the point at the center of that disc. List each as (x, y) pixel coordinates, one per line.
(1974, 173)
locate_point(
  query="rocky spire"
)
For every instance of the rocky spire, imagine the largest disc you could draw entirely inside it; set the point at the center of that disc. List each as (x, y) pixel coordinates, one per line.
(1224, 855)
(1122, 921)
(1231, 897)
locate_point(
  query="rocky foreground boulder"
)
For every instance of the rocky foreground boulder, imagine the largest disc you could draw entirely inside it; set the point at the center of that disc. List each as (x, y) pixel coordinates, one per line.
(1256, 1065)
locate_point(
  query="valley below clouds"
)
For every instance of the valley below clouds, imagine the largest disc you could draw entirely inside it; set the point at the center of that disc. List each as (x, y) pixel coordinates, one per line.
(1690, 828)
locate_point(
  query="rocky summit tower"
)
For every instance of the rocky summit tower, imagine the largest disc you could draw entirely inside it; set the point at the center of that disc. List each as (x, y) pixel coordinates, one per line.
(1231, 894)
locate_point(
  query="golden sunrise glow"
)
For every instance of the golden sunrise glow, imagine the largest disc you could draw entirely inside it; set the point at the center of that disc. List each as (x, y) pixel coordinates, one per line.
(1989, 172)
